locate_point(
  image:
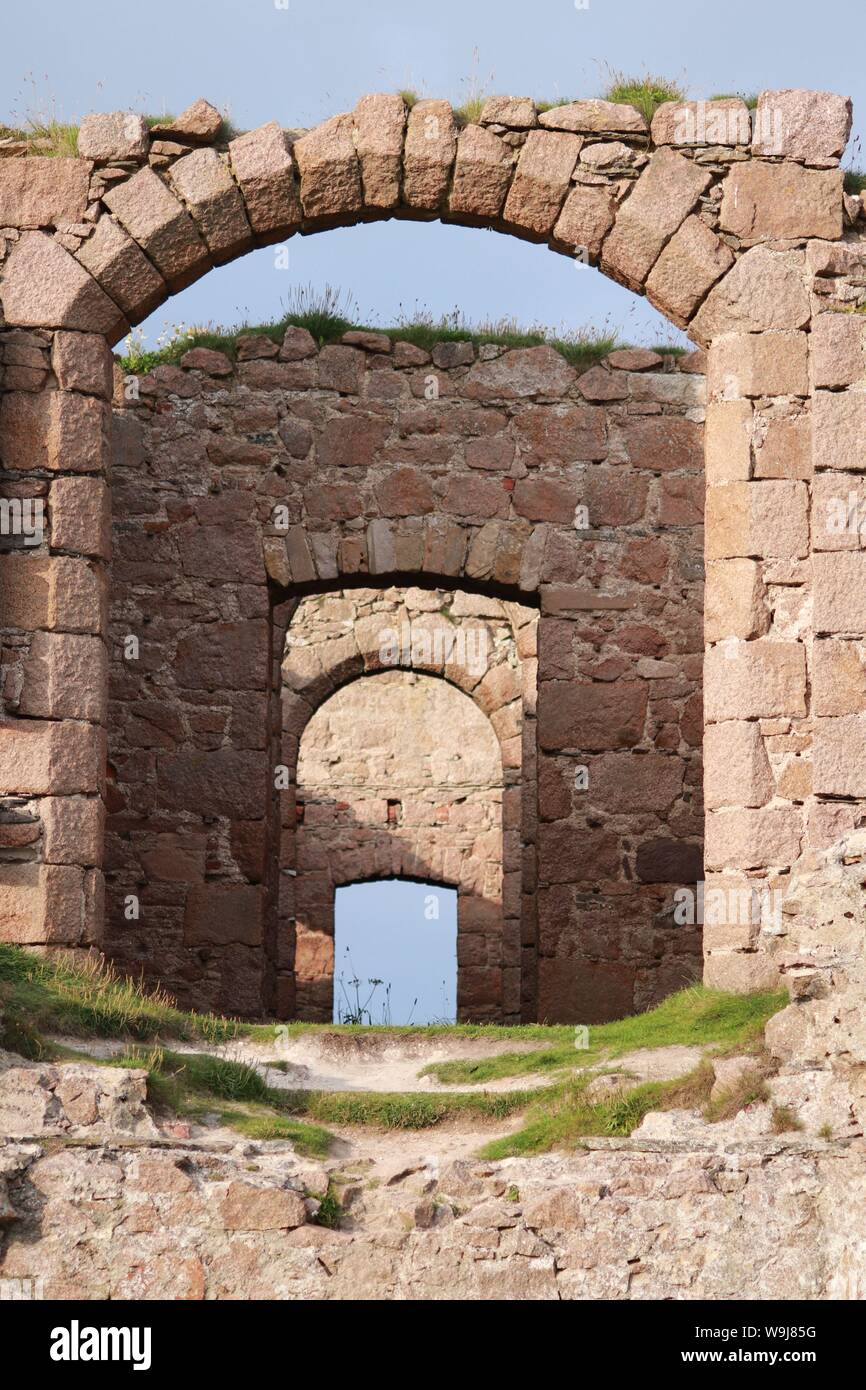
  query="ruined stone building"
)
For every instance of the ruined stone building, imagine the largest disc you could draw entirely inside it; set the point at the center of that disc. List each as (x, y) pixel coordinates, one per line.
(620, 608)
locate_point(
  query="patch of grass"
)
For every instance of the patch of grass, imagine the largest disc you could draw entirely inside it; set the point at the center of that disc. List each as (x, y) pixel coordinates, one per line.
(582, 348)
(750, 1089)
(692, 1091)
(47, 136)
(784, 1120)
(542, 106)
(403, 1110)
(695, 1017)
(645, 93)
(330, 1211)
(854, 180)
(195, 1085)
(469, 112)
(228, 131)
(565, 1114)
(310, 1140)
(91, 1000)
(490, 1032)
(410, 97)
(477, 88)
(200, 1074)
(326, 314)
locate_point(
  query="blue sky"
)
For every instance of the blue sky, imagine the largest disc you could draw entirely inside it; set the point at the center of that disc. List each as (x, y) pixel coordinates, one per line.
(300, 62)
(404, 934)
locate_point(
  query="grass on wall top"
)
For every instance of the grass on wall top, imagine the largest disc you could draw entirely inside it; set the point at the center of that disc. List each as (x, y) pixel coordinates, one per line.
(40, 127)
(582, 349)
(328, 314)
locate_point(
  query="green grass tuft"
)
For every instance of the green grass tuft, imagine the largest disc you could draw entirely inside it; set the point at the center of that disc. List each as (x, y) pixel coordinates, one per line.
(196, 1085)
(46, 135)
(784, 1120)
(695, 1017)
(854, 180)
(39, 996)
(469, 111)
(391, 1110)
(646, 93)
(330, 1212)
(565, 1115)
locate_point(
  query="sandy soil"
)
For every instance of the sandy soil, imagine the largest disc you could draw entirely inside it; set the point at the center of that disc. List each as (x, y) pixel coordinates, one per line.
(379, 1062)
(324, 1061)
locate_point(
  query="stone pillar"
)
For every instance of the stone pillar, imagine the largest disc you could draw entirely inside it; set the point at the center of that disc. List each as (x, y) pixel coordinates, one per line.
(54, 435)
(838, 519)
(757, 613)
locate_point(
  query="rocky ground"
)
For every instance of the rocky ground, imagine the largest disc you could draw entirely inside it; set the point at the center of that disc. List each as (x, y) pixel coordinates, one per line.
(101, 1198)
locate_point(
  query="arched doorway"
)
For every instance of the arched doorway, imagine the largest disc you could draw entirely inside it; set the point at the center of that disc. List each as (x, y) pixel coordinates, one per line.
(401, 772)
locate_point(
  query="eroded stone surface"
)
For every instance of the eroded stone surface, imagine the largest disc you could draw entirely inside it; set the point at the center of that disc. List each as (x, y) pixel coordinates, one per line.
(203, 181)
(264, 169)
(662, 198)
(798, 124)
(43, 286)
(329, 168)
(160, 224)
(113, 135)
(482, 173)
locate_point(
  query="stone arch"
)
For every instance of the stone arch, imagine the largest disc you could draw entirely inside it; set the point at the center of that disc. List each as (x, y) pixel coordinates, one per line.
(746, 238)
(394, 821)
(483, 650)
(163, 220)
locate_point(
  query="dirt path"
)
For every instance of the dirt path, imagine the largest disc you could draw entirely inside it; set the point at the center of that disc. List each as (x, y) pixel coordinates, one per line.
(326, 1061)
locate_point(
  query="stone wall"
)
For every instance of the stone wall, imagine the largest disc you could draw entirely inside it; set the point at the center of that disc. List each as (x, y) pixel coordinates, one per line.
(240, 485)
(734, 224)
(171, 1217)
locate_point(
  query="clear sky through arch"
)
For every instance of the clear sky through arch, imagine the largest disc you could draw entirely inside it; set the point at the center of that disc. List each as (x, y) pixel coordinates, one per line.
(404, 934)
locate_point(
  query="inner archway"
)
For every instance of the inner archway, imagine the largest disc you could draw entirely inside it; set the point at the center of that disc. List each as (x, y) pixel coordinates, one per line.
(400, 776)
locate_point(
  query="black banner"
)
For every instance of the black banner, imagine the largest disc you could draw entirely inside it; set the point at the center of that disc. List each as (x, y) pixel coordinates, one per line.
(85, 1340)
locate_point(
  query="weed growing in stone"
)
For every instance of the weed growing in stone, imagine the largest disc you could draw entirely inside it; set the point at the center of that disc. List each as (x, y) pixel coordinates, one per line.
(645, 93)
